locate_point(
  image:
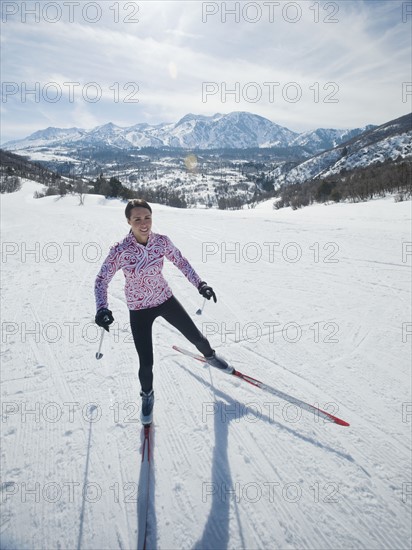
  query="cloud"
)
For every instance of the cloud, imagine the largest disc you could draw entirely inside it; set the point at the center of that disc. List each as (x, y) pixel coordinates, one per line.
(162, 53)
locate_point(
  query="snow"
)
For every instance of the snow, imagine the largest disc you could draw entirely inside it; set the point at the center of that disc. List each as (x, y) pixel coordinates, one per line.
(324, 316)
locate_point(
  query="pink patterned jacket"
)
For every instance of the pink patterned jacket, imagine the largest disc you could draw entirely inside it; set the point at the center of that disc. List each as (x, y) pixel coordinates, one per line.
(142, 267)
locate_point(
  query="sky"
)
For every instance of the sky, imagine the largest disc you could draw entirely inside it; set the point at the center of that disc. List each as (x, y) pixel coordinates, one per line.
(303, 65)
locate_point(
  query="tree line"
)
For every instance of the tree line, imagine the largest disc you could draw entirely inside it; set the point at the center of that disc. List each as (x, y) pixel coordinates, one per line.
(12, 166)
(158, 193)
(360, 184)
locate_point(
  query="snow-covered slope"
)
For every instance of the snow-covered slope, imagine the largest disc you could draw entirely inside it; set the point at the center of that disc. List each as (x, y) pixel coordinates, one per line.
(314, 302)
(321, 139)
(391, 140)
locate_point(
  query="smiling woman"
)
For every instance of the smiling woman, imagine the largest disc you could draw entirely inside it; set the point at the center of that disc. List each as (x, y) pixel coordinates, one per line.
(141, 256)
(139, 216)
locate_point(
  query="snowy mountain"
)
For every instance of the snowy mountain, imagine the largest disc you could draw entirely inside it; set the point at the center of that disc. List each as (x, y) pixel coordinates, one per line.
(321, 139)
(237, 130)
(50, 136)
(391, 140)
(314, 302)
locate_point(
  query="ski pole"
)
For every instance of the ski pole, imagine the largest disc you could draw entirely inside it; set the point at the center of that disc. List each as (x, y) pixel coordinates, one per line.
(199, 311)
(98, 354)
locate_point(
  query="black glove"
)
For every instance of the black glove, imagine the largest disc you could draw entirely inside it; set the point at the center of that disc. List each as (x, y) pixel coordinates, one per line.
(206, 291)
(104, 318)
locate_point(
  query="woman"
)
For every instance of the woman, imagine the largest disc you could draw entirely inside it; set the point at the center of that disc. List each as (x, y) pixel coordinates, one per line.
(141, 255)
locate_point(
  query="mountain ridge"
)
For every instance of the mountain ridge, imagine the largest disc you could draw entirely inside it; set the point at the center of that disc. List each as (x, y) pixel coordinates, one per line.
(390, 140)
(235, 130)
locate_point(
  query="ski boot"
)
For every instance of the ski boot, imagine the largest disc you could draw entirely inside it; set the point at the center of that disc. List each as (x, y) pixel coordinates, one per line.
(146, 415)
(218, 362)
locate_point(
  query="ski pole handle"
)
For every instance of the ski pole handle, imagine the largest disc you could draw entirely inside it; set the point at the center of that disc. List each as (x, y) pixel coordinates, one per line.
(99, 355)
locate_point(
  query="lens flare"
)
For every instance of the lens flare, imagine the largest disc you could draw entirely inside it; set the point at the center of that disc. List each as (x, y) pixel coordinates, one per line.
(191, 162)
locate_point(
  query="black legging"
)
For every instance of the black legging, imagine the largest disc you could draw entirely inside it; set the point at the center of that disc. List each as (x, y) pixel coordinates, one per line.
(141, 321)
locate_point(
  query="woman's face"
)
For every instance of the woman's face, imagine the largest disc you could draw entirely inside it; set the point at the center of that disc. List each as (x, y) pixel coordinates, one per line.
(141, 222)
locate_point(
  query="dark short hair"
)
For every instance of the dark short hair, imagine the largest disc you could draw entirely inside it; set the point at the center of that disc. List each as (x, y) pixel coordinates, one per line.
(136, 203)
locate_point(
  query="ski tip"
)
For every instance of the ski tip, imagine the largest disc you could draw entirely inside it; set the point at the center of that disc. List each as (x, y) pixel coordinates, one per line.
(337, 420)
(334, 419)
(341, 422)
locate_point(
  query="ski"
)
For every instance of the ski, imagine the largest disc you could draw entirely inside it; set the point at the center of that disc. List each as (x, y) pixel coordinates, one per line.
(144, 488)
(286, 397)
